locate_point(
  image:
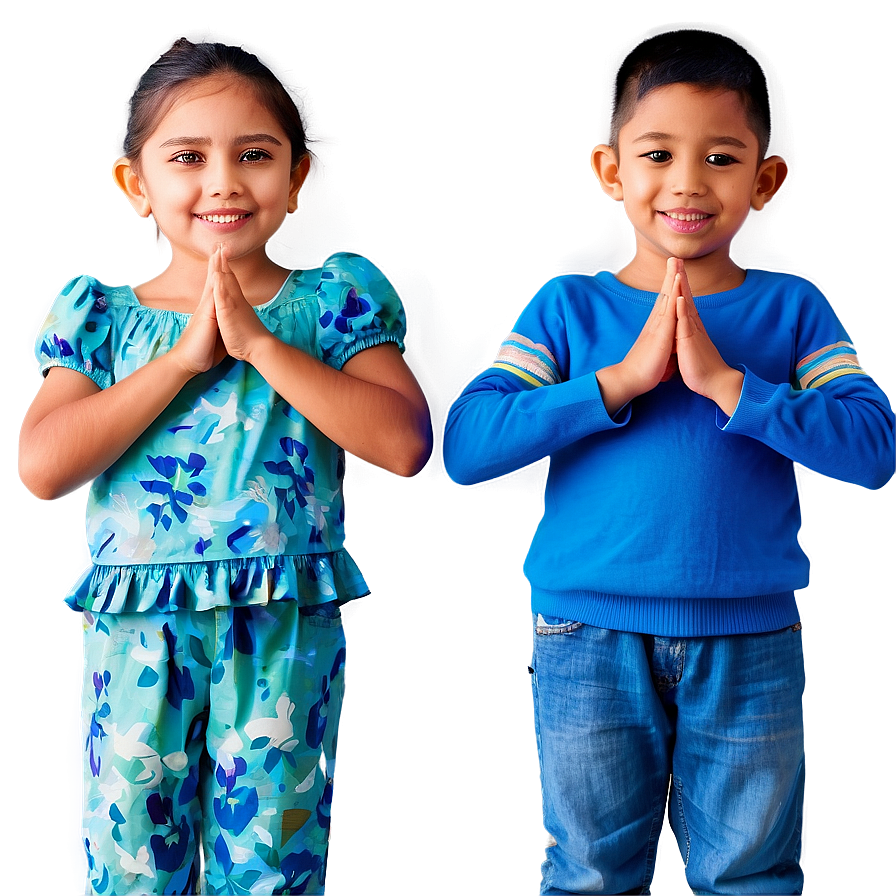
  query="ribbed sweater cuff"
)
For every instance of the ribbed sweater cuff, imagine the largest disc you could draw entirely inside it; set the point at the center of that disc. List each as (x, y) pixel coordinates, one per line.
(755, 397)
(577, 404)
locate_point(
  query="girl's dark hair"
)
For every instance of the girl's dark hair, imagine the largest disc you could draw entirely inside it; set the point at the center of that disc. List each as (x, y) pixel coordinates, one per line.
(707, 60)
(186, 62)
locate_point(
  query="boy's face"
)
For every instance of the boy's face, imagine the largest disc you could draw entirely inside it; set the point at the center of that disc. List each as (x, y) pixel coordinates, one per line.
(687, 170)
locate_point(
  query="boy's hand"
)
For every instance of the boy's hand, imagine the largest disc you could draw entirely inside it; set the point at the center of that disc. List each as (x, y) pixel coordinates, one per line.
(241, 330)
(651, 360)
(702, 368)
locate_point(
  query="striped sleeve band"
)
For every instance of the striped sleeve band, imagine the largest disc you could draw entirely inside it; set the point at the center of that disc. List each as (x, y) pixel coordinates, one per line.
(827, 364)
(528, 360)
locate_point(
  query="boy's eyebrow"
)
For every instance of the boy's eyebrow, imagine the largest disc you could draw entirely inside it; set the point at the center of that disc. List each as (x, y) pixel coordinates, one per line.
(206, 141)
(724, 140)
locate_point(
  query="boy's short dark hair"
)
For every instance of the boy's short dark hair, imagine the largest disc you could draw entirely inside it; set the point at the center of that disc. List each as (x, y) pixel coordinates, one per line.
(702, 58)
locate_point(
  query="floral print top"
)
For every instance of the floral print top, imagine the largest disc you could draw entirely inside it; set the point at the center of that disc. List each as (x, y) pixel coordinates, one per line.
(230, 497)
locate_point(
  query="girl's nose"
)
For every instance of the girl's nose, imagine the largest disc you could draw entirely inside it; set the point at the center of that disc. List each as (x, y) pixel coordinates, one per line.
(224, 180)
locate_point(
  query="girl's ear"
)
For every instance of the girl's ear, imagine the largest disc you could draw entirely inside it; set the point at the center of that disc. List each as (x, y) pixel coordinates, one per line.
(605, 164)
(296, 179)
(130, 184)
(769, 178)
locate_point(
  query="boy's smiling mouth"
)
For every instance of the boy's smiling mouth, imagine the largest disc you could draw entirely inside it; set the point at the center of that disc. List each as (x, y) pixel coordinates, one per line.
(684, 220)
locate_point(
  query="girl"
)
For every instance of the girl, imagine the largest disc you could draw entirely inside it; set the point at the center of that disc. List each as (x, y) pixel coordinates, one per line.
(211, 406)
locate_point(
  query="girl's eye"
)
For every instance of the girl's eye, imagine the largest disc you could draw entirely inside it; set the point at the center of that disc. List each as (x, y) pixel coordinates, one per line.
(657, 155)
(720, 159)
(254, 155)
(187, 157)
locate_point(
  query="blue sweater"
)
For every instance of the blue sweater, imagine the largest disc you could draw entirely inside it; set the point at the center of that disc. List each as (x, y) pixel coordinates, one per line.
(671, 518)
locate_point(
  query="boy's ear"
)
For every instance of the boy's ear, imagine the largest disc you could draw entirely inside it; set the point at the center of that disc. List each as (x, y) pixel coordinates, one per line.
(129, 183)
(769, 178)
(296, 179)
(605, 164)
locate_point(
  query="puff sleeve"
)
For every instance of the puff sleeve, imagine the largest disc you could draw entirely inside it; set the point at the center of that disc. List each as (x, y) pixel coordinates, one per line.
(76, 333)
(359, 309)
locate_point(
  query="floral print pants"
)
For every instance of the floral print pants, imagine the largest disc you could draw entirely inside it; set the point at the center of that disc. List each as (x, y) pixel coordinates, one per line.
(215, 728)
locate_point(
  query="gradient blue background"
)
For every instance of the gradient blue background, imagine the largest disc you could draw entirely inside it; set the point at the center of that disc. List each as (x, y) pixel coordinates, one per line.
(453, 146)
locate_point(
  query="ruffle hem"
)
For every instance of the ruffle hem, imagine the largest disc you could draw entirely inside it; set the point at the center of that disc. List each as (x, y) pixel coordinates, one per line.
(309, 579)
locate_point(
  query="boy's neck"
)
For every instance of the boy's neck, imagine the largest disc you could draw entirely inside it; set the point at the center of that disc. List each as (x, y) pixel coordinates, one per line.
(707, 275)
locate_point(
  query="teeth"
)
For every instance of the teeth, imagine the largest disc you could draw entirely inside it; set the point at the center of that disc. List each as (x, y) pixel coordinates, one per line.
(221, 219)
(675, 216)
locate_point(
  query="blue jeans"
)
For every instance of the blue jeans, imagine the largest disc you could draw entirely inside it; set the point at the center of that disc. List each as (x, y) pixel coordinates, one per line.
(619, 714)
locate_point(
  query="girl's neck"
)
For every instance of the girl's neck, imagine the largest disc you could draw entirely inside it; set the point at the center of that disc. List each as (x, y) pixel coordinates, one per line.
(179, 287)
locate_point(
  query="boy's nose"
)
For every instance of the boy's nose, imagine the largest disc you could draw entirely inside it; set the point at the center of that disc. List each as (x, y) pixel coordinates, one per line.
(687, 180)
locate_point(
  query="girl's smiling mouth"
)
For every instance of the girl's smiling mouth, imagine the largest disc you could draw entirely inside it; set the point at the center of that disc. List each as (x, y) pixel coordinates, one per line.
(223, 215)
(221, 219)
(225, 220)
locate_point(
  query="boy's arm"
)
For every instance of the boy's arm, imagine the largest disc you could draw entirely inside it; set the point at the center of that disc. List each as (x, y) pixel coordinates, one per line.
(522, 409)
(843, 428)
(833, 418)
(501, 422)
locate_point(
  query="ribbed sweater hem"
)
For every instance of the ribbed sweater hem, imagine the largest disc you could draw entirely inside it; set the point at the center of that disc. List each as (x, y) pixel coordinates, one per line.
(669, 616)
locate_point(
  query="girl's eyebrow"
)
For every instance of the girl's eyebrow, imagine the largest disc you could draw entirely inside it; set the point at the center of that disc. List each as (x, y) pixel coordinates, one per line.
(207, 141)
(653, 136)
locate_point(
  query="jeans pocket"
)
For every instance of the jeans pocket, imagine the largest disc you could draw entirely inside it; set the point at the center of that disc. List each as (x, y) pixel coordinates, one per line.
(555, 625)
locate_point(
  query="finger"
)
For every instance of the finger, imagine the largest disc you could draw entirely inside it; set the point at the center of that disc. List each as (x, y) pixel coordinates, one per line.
(663, 305)
(686, 286)
(207, 299)
(685, 327)
(210, 273)
(669, 278)
(227, 284)
(676, 286)
(660, 306)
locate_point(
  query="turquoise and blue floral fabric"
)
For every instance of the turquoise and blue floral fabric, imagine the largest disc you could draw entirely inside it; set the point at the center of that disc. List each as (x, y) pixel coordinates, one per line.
(230, 497)
(218, 728)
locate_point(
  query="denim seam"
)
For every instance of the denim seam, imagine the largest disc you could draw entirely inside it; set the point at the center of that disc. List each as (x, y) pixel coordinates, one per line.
(537, 706)
(653, 837)
(677, 783)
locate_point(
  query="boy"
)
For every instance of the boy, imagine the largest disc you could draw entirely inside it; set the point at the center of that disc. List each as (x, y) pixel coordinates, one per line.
(667, 638)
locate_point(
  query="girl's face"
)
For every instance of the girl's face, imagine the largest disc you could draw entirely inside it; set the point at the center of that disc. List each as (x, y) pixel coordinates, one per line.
(217, 169)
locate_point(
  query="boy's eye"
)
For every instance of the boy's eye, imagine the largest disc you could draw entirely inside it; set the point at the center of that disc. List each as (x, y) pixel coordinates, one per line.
(720, 159)
(187, 157)
(657, 155)
(254, 155)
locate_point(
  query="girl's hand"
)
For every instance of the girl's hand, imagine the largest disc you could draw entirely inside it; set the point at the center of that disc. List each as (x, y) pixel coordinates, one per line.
(241, 330)
(702, 368)
(651, 359)
(200, 346)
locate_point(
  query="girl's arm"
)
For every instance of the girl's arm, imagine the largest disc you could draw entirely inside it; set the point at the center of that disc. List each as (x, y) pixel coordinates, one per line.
(74, 430)
(373, 407)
